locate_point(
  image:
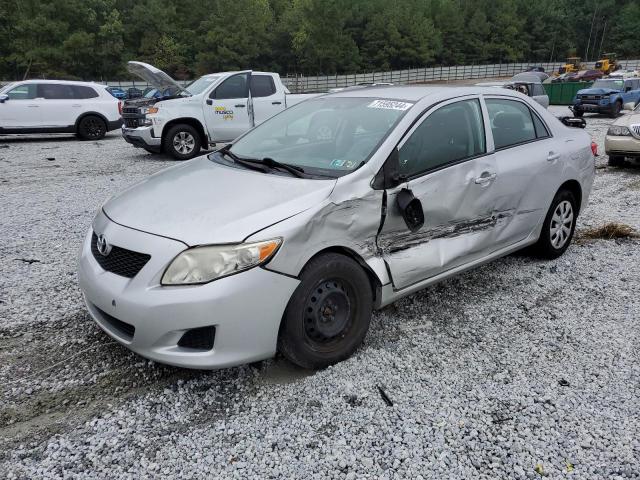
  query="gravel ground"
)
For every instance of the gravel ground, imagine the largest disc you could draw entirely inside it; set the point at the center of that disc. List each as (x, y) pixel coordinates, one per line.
(519, 369)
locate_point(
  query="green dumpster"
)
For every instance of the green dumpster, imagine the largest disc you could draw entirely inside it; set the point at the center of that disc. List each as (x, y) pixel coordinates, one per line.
(564, 93)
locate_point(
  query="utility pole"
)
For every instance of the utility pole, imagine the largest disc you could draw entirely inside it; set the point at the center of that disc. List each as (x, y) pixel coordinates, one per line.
(593, 20)
(604, 29)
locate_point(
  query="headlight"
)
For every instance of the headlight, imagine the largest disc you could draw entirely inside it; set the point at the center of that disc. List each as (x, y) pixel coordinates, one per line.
(204, 264)
(618, 131)
(149, 110)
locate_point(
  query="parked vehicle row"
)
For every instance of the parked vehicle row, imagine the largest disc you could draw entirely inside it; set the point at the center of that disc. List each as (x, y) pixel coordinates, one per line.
(213, 109)
(287, 239)
(57, 106)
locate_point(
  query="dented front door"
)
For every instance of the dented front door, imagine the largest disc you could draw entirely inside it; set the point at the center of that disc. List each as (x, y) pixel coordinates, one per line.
(452, 175)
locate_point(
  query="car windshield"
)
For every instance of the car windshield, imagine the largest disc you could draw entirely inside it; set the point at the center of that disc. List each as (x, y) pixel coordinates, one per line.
(200, 85)
(329, 136)
(613, 84)
(6, 87)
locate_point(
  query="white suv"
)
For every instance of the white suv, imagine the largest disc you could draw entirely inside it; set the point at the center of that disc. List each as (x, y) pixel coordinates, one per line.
(56, 106)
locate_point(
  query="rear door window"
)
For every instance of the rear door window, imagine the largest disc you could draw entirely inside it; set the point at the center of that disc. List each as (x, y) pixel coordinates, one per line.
(55, 91)
(511, 122)
(262, 86)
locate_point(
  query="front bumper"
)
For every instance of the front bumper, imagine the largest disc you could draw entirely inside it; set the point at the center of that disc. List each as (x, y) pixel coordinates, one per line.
(245, 308)
(622, 145)
(142, 137)
(592, 107)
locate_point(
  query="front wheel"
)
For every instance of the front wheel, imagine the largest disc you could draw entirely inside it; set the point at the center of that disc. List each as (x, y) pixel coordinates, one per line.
(558, 227)
(182, 142)
(328, 315)
(615, 110)
(92, 127)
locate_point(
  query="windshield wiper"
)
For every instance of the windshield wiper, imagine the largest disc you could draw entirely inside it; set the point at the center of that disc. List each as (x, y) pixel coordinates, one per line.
(267, 162)
(246, 163)
(271, 163)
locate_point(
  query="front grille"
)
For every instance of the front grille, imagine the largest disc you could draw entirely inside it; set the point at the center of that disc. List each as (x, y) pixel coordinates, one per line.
(198, 338)
(132, 122)
(124, 329)
(635, 130)
(120, 261)
(131, 110)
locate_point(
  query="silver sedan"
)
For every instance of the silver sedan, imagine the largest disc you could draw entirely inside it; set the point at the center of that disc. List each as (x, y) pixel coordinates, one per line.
(288, 239)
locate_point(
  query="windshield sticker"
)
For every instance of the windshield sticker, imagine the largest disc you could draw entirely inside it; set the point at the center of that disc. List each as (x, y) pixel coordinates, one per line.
(390, 105)
(337, 163)
(226, 114)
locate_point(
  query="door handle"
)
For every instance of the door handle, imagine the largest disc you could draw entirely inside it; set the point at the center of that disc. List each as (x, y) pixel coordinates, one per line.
(553, 157)
(77, 105)
(33, 106)
(485, 178)
(240, 105)
(276, 103)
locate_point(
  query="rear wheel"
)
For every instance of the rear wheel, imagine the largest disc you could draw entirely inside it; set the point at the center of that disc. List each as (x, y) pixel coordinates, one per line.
(328, 315)
(559, 225)
(92, 127)
(182, 142)
(616, 161)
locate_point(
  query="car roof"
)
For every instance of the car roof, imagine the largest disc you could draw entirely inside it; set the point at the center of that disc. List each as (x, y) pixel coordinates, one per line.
(415, 93)
(67, 82)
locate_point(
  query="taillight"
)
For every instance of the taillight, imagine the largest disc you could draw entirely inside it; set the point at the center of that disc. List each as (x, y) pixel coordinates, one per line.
(120, 107)
(594, 149)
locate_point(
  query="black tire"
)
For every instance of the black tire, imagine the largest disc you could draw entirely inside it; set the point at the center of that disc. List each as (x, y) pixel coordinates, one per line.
(92, 127)
(548, 245)
(615, 109)
(328, 315)
(616, 161)
(182, 142)
(578, 113)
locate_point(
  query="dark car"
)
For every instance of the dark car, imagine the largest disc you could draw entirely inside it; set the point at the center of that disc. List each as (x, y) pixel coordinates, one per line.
(588, 76)
(535, 69)
(134, 92)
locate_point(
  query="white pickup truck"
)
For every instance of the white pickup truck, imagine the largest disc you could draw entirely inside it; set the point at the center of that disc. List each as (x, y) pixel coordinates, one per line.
(215, 108)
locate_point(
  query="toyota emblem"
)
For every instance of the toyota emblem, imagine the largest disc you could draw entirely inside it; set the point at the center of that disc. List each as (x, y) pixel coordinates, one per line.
(103, 247)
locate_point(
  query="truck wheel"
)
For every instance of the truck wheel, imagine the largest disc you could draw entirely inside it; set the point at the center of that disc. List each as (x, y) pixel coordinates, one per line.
(558, 227)
(92, 127)
(328, 315)
(578, 113)
(616, 161)
(182, 142)
(615, 109)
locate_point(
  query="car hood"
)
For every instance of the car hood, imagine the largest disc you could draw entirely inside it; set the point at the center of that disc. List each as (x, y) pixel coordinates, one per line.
(597, 91)
(154, 76)
(203, 202)
(632, 118)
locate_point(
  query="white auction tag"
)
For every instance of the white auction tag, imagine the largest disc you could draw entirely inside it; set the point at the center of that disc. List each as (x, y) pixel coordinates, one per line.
(390, 105)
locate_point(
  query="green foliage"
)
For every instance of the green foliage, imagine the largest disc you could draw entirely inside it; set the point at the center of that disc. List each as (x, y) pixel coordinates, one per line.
(93, 39)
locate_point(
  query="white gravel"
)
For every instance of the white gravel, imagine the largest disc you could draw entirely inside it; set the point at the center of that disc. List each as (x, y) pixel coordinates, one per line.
(518, 369)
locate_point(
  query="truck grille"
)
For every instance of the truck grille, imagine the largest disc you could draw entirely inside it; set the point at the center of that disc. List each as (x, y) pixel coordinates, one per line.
(120, 261)
(133, 110)
(132, 122)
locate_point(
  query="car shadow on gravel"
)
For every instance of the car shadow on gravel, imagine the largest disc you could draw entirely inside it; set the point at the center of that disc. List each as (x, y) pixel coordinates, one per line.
(63, 137)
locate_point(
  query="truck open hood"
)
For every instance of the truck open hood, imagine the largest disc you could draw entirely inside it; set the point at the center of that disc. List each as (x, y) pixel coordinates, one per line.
(154, 77)
(203, 202)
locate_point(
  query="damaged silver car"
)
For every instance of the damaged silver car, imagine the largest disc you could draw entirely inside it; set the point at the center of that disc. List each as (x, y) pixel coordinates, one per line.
(288, 239)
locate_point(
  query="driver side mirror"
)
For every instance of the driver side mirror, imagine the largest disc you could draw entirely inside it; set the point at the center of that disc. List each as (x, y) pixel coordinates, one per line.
(389, 175)
(4, 97)
(411, 209)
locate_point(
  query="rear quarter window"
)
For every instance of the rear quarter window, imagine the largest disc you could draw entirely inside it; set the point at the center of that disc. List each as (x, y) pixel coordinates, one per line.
(84, 92)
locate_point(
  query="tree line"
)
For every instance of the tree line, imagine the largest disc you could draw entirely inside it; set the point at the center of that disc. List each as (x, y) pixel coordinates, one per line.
(93, 39)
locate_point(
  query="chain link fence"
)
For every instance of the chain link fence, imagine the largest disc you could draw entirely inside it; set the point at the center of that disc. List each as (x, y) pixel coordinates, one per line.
(321, 83)
(313, 84)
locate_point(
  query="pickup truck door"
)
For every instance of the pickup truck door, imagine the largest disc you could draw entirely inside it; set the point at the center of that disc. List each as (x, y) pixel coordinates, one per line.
(21, 109)
(267, 99)
(228, 110)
